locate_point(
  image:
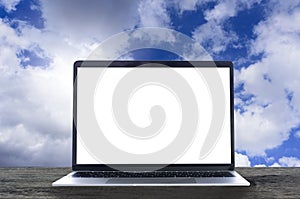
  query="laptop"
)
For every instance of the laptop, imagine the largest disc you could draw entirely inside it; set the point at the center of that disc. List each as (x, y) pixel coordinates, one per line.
(153, 123)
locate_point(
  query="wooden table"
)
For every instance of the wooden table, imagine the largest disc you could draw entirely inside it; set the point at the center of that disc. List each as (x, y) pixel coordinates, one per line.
(36, 183)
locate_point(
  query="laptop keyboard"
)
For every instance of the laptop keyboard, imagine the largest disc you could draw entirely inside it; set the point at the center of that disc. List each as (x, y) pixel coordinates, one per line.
(153, 174)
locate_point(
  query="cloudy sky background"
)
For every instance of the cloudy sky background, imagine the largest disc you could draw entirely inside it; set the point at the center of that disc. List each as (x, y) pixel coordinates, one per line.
(40, 40)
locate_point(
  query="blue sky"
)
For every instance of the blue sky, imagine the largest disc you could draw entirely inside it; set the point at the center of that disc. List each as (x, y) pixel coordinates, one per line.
(41, 39)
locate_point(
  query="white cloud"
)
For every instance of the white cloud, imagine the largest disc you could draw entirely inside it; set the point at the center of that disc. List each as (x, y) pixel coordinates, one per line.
(213, 34)
(186, 5)
(153, 13)
(275, 165)
(221, 11)
(82, 22)
(297, 134)
(269, 159)
(268, 119)
(260, 165)
(35, 110)
(228, 8)
(259, 129)
(278, 6)
(242, 160)
(28, 147)
(287, 162)
(189, 5)
(9, 5)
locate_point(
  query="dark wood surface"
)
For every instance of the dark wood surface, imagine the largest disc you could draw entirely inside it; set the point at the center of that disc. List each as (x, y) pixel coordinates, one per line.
(36, 183)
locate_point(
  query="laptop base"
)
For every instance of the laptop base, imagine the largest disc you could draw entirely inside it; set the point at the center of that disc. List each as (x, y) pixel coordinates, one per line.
(69, 180)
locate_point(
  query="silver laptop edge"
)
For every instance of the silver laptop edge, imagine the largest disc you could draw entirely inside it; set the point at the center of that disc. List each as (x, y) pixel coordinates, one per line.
(68, 180)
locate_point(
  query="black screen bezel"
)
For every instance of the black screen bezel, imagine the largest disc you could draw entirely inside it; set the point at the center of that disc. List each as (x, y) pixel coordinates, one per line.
(103, 167)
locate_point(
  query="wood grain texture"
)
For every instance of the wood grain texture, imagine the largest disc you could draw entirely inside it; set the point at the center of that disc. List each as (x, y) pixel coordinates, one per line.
(36, 183)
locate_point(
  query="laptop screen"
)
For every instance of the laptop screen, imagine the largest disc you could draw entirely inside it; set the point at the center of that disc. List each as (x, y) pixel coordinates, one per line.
(153, 115)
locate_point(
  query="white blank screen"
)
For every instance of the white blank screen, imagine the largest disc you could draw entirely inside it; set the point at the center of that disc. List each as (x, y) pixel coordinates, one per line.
(99, 97)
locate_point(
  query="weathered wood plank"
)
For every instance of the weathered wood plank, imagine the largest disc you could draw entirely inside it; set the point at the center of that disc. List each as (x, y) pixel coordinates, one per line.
(36, 183)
